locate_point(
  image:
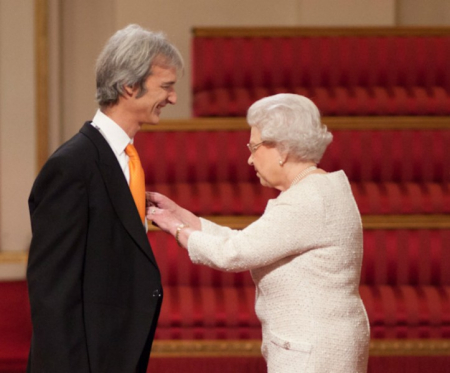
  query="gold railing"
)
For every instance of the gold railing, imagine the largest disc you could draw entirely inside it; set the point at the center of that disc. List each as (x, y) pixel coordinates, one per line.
(333, 123)
(252, 348)
(286, 32)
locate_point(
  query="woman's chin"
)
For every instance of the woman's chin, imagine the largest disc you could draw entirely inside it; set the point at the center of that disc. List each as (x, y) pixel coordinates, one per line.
(263, 182)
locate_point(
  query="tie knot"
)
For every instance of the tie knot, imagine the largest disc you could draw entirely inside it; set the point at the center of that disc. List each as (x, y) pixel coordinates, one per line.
(131, 151)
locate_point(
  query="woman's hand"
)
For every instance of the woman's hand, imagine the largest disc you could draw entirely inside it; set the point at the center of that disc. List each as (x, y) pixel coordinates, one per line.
(168, 216)
(158, 200)
(166, 220)
(162, 212)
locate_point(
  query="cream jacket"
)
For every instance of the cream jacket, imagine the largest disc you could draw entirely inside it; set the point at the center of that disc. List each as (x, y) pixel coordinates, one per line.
(304, 255)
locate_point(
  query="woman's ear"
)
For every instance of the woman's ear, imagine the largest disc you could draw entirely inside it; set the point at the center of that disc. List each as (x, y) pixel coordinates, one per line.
(283, 157)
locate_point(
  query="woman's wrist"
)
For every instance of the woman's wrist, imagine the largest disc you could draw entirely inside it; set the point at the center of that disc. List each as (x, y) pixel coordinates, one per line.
(178, 232)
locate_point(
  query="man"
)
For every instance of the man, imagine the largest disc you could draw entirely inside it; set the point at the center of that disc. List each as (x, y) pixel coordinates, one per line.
(94, 285)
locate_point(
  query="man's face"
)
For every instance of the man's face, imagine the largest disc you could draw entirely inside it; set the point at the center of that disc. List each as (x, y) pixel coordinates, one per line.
(160, 87)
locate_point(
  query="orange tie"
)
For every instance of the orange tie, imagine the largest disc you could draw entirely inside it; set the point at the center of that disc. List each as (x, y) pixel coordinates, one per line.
(137, 179)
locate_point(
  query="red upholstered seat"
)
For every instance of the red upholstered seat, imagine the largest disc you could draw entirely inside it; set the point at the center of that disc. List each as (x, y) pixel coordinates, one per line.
(208, 312)
(415, 257)
(15, 326)
(405, 286)
(405, 276)
(224, 198)
(195, 156)
(177, 269)
(402, 198)
(365, 155)
(406, 283)
(408, 155)
(407, 311)
(391, 171)
(367, 72)
(227, 312)
(343, 101)
(250, 198)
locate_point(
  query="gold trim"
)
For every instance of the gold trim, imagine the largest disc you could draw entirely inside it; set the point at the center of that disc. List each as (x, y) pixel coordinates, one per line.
(13, 257)
(41, 78)
(206, 348)
(406, 221)
(410, 347)
(370, 222)
(333, 123)
(252, 348)
(266, 32)
(388, 123)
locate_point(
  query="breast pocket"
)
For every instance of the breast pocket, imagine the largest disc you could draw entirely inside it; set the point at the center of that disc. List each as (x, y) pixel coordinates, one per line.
(283, 356)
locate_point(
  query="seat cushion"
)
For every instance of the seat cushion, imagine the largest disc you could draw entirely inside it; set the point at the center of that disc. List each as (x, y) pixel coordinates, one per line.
(15, 326)
(366, 155)
(208, 312)
(413, 257)
(250, 198)
(408, 311)
(335, 100)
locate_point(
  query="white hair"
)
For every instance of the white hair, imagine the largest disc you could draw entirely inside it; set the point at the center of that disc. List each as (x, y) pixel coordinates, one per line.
(292, 122)
(127, 59)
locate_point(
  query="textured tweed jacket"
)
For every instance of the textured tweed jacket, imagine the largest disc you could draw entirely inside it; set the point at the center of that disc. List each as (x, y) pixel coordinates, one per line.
(304, 254)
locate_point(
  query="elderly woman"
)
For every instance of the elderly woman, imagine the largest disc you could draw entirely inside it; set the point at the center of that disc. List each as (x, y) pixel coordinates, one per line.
(304, 253)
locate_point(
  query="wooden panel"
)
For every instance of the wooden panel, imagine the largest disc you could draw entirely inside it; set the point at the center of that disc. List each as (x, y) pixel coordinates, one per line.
(317, 31)
(411, 347)
(369, 221)
(333, 123)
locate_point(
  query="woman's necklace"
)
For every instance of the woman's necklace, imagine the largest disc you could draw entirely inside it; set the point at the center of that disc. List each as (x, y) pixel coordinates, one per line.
(302, 174)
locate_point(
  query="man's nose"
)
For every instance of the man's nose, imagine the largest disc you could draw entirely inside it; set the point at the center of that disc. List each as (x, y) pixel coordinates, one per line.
(172, 98)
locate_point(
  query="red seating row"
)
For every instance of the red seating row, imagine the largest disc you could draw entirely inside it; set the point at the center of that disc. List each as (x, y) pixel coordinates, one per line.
(405, 286)
(394, 171)
(371, 155)
(249, 198)
(15, 326)
(337, 100)
(392, 257)
(358, 71)
(405, 280)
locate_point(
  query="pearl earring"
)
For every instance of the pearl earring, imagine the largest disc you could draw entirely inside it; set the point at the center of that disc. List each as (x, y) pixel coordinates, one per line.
(280, 162)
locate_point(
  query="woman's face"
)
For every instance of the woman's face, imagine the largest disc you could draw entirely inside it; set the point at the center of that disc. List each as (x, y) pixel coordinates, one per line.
(265, 159)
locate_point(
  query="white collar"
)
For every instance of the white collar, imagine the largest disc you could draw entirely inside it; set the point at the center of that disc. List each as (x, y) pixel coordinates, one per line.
(116, 137)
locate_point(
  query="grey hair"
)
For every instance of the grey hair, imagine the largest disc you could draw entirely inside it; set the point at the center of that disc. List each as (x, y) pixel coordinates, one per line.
(292, 122)
(127, 59)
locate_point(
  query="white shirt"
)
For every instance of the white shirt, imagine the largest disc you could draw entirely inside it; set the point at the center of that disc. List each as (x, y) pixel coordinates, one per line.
(116, 137)
(118, 140)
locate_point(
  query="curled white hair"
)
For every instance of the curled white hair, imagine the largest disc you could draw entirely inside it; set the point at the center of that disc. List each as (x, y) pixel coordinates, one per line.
(291, 122)
(127, 59)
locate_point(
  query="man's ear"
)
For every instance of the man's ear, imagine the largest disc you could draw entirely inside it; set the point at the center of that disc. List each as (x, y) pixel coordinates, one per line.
(129, 90)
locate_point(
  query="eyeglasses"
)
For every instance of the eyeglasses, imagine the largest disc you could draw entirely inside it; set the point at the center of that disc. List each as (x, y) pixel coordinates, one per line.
(255, 147)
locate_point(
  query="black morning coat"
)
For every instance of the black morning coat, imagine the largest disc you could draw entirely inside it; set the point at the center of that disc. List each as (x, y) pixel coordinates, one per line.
(94, 285)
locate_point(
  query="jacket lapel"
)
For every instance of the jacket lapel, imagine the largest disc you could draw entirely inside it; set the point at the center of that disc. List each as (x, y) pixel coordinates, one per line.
(118, 190)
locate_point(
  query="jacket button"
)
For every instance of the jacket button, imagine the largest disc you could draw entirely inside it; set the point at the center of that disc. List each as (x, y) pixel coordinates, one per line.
(156, 293)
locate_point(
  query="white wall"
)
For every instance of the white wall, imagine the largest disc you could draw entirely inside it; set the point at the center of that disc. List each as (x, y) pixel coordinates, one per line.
(423, 12)
(347, 12)
(17, 125)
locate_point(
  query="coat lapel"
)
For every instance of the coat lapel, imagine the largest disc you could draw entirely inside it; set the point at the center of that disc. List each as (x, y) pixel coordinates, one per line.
(118, 190)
